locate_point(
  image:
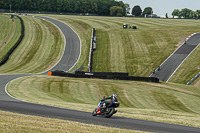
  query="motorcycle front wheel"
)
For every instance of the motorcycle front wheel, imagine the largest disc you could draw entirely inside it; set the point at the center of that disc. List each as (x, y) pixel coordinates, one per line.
(109, 112)
(94, 113)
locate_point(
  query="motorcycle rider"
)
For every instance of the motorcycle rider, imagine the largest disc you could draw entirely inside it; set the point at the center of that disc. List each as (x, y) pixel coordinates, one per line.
(102, 108)
(104, 102)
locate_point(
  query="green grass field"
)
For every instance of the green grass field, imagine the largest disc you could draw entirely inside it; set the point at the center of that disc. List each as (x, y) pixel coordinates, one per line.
(197, 83)
(17, 123)
(9, 33)
(134, 51)
(40, 49)
(118, 50)
(164, 102)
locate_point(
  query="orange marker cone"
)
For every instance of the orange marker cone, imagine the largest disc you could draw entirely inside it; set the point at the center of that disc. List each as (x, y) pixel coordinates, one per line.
(49, 73)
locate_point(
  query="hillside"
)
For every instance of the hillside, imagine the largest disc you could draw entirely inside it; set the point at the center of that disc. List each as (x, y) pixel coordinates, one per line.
(41, 48)
(164, 102)
(134, 51)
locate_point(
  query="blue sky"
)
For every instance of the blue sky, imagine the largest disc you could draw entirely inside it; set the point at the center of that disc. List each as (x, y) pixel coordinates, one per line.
(161, 7)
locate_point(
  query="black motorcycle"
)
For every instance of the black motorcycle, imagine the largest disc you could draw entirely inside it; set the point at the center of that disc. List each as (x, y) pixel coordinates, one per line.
(106, 108)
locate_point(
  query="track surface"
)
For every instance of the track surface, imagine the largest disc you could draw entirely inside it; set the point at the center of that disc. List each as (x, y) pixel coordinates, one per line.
(8, 103)
(170, 65)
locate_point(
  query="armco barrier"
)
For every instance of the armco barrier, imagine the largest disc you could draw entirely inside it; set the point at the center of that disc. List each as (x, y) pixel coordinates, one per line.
(115, 76)
(5, 59)
(91, 52)
(80, 68)
(102, 73)
(192, 80)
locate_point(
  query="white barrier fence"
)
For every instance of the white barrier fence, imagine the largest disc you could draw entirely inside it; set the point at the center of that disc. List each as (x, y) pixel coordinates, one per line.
(192, 80)
(91, 51)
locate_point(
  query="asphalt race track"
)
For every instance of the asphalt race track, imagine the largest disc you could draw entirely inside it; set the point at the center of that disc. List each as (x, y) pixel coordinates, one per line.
(169, 67)
(72, 52)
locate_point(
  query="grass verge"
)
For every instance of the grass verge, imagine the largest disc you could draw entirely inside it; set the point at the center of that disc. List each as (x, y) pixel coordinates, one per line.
(164, 102)
(11, 122)
(197, 83)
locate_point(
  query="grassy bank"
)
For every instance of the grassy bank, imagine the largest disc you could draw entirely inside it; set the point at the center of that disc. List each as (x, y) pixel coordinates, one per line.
(164, 102)
(197, 83)
(11, 122)
(10, 33)
(41, 48)
(134, 51)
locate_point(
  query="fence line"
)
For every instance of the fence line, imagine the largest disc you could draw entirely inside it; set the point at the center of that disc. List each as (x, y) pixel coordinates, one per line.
(192, 80)
(104, 75)
(81, 67)
(91, 52)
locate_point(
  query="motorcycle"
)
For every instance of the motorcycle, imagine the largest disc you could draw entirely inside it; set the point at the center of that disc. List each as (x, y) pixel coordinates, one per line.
(108, 110)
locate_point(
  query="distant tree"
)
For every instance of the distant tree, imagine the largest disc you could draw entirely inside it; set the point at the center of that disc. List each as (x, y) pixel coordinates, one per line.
(137, 11)
(198, 14)
(116, 11)
(100, 7)
(148, 11)
(127, 8)
(166, 15)
(124, 7)
(185, 12)
(176, 12)
(192, 15)
(59, 5)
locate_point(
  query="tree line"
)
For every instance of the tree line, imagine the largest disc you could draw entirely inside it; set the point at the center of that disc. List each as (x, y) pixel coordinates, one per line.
(100, 7)
(183, 13)
(186, 13)
(137, 11)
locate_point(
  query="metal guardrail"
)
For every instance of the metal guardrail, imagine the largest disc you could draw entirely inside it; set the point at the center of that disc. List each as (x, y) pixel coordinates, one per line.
(91, 52)
(81, 67)
(192, 80)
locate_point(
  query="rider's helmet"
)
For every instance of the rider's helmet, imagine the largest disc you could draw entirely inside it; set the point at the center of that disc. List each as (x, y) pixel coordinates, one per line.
(115, 96)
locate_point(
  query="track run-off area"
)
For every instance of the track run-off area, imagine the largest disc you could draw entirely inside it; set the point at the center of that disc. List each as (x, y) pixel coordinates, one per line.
(70, 56)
